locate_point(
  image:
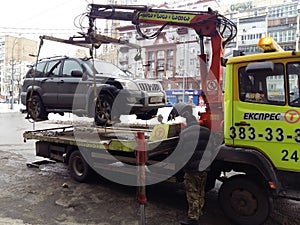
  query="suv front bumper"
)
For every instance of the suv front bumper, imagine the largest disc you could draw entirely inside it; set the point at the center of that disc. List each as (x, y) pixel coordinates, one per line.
(141, 101)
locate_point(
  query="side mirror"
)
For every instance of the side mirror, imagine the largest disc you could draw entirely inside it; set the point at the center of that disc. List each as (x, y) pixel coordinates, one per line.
(76, 73)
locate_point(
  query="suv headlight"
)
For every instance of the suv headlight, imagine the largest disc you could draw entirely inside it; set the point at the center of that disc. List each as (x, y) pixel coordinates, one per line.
(128, 84)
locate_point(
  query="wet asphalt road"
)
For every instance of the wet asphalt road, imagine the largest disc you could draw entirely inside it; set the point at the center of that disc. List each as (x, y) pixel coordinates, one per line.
(47, 195)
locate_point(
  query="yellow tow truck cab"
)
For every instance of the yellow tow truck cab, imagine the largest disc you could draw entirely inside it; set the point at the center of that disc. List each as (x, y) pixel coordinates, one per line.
(263, 106)
(261, 131)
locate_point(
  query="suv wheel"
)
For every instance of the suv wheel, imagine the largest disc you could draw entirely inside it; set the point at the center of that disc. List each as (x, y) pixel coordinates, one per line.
(36, 108)
(103, 110)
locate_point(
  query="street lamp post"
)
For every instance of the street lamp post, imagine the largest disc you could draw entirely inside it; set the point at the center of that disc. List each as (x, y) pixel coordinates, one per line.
(13, 63)
(185, 55)
(12, 83)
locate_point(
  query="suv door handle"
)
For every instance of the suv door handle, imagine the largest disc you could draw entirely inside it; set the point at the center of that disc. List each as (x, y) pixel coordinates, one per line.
(44, 80)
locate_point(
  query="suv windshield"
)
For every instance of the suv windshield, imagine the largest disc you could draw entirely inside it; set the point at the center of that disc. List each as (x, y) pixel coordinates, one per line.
(102, 68)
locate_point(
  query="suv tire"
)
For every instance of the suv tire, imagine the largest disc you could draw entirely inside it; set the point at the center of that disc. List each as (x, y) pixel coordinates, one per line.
(36, 108)
(103, 109)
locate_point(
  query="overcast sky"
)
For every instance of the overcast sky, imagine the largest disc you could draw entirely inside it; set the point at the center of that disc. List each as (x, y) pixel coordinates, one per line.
(32, 18)
(35, 15)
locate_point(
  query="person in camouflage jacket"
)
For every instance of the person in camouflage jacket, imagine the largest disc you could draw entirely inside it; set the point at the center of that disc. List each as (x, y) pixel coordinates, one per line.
(193, 141)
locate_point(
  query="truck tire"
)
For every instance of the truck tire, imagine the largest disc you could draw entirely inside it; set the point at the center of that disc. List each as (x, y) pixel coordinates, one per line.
(103, 109)
(36, 108)
(79, 168)
(244, 201)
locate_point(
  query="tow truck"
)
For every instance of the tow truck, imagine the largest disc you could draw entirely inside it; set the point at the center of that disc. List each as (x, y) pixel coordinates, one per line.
(254, 126)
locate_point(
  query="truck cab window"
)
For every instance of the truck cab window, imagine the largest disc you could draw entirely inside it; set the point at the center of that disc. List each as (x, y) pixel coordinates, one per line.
(293, 70)
(262, 87)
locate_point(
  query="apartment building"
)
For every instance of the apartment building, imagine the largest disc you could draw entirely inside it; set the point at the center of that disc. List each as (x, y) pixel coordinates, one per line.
(255, 19)
(14, 58)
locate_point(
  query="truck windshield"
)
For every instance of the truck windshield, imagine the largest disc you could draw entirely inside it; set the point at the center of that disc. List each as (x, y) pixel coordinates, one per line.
(101, 68)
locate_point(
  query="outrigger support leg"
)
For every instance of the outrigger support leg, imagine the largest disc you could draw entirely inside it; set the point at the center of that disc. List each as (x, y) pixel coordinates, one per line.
(141, 159)
(37, 163)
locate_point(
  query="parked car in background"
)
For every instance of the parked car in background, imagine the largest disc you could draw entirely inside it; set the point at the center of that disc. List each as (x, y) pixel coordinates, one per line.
(63, 84)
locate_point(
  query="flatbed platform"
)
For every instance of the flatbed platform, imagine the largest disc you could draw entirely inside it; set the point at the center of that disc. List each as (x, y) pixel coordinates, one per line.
(117, 138)
(112, 149)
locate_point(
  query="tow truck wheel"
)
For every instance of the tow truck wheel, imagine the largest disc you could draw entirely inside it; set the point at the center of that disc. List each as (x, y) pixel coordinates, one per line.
(244, 201)
(79, 169)
(36, 108)
(103, 110)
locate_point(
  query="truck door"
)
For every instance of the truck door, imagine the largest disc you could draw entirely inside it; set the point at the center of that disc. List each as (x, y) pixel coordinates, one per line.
(262, 117)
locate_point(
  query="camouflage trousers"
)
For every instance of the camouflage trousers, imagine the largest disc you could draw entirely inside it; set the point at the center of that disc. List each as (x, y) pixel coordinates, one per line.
(195, 193)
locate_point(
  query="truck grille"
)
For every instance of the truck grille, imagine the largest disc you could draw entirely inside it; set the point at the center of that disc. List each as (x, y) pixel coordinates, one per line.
(149, 87)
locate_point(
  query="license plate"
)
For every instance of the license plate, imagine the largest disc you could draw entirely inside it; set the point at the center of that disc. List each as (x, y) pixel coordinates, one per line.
(155, 99)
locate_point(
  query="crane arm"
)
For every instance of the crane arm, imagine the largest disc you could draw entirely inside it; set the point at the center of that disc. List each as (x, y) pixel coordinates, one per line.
(207, 24)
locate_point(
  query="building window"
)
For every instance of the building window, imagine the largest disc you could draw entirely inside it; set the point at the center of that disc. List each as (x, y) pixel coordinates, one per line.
(161, 54)
(170, 53)
(160, 64)
(160, 75)
(150, 74)
(192, 62)
(151, 65)
(181, 62)
(151, 55)
(169, 64)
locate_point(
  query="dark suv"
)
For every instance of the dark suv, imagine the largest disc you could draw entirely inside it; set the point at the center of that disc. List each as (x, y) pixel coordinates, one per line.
(66, 84)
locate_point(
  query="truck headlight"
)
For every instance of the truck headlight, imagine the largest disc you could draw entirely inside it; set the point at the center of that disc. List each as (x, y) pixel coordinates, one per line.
(128, 85)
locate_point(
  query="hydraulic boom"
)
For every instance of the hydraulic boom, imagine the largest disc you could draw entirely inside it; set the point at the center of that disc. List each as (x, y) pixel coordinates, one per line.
(208, 24)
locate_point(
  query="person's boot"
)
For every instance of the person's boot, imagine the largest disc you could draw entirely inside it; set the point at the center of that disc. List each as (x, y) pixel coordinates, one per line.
(189, 222)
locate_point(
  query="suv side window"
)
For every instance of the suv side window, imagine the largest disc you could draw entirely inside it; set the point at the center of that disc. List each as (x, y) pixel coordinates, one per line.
(37, 71)
(53, 67)
(69, 66)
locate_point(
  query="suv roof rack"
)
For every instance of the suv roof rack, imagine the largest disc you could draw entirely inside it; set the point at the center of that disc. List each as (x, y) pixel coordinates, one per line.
(53, 57)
